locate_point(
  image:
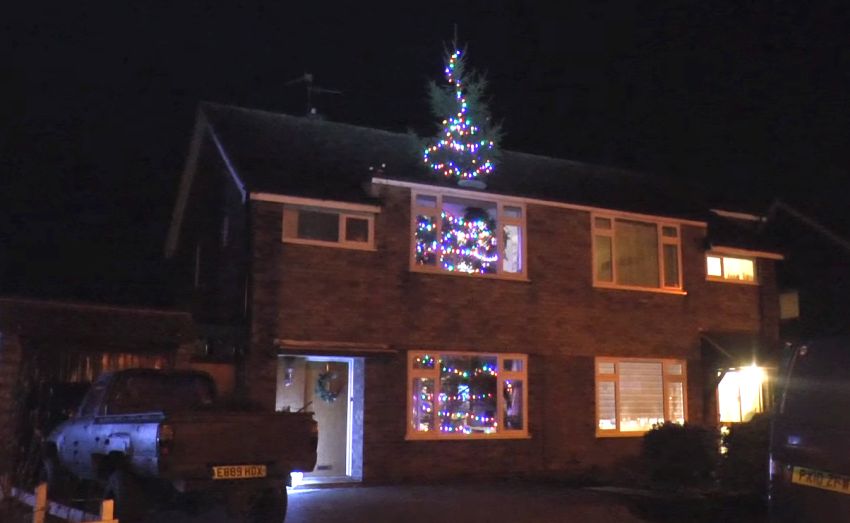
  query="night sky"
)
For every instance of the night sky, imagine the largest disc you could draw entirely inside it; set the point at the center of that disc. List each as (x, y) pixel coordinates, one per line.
(748, 101)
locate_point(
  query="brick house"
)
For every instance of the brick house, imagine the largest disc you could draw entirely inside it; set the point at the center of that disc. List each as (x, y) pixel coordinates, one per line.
(316, 258)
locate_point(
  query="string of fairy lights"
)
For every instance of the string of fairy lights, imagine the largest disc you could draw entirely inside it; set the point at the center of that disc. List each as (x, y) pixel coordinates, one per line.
(457, 153)
(465, 244)
(463, 410)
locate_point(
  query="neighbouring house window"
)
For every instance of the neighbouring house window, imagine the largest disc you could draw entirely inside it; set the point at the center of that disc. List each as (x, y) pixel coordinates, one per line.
(467, 395)
(466, 235)
(328, 227)
(633, 395)
(636, 254)
(728, 268)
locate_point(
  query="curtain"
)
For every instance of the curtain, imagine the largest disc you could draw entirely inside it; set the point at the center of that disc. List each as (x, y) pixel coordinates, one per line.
(636, 247)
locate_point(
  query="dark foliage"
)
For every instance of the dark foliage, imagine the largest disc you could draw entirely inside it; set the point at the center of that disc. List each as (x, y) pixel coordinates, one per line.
(681, 455)
(744, 466)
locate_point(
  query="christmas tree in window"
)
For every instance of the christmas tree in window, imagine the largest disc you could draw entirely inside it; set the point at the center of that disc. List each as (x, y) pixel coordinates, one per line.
(466, 146)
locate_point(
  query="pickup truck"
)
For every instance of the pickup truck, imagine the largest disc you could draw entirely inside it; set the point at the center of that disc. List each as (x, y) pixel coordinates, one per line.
(140, 431)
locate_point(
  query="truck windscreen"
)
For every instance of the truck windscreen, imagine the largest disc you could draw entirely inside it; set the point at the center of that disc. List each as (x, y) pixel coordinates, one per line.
(169, 393)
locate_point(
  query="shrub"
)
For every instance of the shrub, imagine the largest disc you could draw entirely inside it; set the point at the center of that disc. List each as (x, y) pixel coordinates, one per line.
(683, 455)
(744, 466)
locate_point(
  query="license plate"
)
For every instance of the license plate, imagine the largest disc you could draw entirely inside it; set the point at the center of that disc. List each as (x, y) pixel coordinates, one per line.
(821, 480)
(238, 471)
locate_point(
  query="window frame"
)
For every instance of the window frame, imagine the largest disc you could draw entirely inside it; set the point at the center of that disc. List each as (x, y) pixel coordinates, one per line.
(436, 435)
(722, 277)
(663, 240)
(501, 220)
(342, 215)
(666, 378)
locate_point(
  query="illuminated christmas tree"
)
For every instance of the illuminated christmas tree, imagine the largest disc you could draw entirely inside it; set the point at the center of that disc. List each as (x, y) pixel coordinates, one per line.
(466, 146)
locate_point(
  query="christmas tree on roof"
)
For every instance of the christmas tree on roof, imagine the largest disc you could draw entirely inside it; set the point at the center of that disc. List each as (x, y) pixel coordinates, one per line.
(466, 147)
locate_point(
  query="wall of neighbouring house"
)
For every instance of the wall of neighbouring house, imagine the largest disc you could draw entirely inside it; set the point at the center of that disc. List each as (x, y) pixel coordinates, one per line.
(10, 363)
(558, 318)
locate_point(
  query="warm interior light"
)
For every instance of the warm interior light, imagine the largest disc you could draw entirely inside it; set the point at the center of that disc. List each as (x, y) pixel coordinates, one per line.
(739, 394)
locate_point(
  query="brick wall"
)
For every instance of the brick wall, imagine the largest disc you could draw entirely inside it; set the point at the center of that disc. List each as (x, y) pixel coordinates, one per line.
(558, 318)
(10, 363)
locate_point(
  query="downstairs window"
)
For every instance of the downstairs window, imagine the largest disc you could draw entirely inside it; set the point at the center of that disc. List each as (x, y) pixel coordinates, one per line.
(455, 395)
(633, 395)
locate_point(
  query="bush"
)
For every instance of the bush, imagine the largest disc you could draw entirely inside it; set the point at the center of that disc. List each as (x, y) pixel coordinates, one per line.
(743, 468)
(681, 455)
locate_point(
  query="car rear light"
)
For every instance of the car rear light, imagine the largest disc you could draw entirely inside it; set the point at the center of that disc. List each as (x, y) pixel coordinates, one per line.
(164, 440)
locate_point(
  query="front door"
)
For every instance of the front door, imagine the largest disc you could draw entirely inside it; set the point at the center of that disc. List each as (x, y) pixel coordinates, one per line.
(322, 385)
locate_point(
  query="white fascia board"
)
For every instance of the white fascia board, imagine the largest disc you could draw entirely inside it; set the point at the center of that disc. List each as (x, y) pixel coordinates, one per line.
(737, 251)
(534, 201)
(735, 215)
(314, 202)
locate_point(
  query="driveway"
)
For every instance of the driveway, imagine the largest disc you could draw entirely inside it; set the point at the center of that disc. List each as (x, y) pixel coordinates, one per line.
(472, 503)
(446, 503)
(514, 502)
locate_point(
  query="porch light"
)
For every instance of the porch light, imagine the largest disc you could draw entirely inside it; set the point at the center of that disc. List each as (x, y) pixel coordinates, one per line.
(740, 394)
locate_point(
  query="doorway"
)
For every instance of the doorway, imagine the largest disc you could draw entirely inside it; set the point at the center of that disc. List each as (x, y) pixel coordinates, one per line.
(331, 388)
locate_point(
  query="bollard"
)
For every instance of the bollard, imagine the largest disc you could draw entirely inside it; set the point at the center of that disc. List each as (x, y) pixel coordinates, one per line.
(107, 511)
(40, 506)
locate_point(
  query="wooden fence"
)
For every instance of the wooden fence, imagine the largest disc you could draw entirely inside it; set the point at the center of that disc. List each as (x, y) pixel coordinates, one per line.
(41, 506)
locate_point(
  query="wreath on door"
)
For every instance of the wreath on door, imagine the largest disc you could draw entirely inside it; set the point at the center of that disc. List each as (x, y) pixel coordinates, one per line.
(327, 386)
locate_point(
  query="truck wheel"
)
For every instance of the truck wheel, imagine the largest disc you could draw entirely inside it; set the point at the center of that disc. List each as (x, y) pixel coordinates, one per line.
(126, 492)
(57, 479)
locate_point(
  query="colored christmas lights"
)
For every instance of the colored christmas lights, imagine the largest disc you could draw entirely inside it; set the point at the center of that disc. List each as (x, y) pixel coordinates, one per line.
(467, 243)
(462, 149)
(464, 401)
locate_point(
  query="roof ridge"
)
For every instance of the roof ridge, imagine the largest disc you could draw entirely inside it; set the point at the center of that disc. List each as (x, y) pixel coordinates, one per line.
(345, 125)
(305, 119)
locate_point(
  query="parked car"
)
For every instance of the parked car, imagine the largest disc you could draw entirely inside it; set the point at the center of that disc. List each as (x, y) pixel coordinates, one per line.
(809, 456)
(140, 431)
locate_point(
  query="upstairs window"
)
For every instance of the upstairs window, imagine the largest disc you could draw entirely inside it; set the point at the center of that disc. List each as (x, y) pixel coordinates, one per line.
(728, 268)
(328, 227)
(467, 236)
(636, 254)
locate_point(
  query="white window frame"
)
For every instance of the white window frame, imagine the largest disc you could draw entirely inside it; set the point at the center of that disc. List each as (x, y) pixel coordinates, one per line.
(342, 215)
(722, 277)
(501, 221)
(434, 374)
(660, 225)
(666, 378)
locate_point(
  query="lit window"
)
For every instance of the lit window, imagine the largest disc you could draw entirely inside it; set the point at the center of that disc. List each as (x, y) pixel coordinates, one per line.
(328, 227)
(635, 254)
(466, 395)
(633, 395)
(739, 394)
(469, 236)
(727, 268)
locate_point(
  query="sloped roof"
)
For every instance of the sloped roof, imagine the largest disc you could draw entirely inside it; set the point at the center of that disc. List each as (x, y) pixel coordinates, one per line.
(282, 154)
